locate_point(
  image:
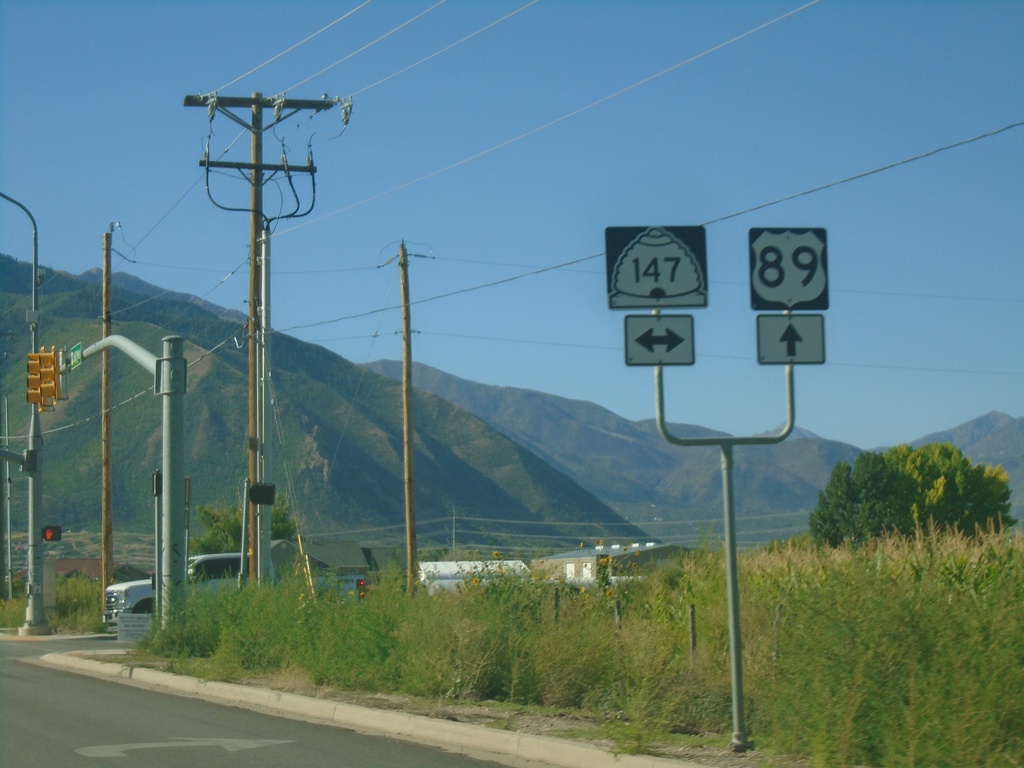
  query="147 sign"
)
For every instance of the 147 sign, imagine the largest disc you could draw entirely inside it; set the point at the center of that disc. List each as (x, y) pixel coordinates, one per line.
(788, 269)
(656, 267)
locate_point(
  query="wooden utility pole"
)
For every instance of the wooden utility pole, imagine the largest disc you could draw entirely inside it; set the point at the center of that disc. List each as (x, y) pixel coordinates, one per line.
(412, 567)
(284, 108)
(107, 503)
(255, 232)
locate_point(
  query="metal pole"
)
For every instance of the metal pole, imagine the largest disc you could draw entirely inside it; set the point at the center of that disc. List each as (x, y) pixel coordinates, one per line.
(266, 568)
(8, 567)
(171, 373)
(35, 620)
(739, 741)
(106, 450)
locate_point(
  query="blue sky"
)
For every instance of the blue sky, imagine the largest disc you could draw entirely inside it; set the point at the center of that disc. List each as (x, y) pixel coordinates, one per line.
(509, 153)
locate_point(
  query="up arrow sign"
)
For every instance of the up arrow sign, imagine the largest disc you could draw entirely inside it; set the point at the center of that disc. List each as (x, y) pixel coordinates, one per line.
(791, 339)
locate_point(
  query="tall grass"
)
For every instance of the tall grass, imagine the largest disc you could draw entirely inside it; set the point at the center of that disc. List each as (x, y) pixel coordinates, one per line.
(78, 610)
(900, 653)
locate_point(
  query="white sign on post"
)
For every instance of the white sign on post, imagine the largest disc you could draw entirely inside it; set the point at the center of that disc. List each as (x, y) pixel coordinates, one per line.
(790, 339)
(659, 340)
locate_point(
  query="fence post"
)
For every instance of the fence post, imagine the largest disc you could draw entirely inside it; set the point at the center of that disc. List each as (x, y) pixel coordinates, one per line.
(693, 634)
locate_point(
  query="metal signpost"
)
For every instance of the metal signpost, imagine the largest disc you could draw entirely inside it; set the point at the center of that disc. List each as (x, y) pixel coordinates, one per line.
(666, 267)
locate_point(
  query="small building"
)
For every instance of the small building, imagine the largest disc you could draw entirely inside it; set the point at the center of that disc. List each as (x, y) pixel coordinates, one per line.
(581, 566)
(450, 575)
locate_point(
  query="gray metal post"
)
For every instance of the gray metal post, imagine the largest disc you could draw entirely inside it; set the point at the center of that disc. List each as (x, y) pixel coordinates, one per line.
(35, 620)
(739, 741)
(6, 491)
(170, 384)
(739, 736)
(169, 374)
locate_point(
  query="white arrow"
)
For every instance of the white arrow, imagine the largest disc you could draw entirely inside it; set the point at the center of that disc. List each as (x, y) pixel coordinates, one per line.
(231, 745)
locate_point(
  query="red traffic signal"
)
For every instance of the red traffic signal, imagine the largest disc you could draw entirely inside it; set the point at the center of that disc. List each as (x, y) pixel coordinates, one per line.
(51, 533)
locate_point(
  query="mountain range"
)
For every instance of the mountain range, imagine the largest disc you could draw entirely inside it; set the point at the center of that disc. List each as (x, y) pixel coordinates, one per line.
(676, 492)
(493, 465)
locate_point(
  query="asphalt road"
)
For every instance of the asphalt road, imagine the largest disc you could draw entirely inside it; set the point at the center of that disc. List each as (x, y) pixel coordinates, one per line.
(54, 718)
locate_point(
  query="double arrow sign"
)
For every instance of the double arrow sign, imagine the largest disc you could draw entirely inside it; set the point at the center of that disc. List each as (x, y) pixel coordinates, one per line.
(659, 340)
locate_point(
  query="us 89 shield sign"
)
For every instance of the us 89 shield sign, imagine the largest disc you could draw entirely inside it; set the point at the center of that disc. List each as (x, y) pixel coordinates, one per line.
(788, 269)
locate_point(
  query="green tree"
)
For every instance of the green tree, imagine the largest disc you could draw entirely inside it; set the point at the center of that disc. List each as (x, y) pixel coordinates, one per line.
(904, 488)
(221, 527)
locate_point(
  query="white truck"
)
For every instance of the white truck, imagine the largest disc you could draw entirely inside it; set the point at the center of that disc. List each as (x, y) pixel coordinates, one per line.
(140, 596)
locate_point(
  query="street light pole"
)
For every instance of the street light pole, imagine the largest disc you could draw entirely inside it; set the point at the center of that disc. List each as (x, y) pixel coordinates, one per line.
(35, 620)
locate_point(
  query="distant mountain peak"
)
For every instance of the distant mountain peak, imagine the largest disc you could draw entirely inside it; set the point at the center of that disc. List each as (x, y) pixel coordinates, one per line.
(133, 284)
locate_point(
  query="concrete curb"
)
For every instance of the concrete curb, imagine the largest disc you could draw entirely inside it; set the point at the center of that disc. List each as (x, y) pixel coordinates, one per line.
(474, 740)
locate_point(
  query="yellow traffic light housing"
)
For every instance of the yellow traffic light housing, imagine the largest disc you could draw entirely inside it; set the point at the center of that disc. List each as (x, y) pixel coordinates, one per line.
(50, 386)
(35, 380)
(43, 378)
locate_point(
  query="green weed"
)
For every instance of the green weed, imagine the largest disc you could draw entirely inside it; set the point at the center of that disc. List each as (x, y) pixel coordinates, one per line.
(902, 652)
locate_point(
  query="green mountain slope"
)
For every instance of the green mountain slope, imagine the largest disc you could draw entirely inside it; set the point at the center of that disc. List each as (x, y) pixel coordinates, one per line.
(340, 459)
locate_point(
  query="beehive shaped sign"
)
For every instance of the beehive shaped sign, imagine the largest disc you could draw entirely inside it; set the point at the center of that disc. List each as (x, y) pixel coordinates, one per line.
(656, 267)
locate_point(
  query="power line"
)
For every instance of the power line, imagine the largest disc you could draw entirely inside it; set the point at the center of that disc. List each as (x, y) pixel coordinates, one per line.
(447, 48)
(556, 121)
(292, 48)
(442, 295)
(368, 45)
(865, 174)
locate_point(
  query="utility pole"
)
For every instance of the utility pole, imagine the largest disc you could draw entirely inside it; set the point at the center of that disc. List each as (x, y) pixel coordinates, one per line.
(255, 230)
(107, 493)
(412, 567)
(259, 246)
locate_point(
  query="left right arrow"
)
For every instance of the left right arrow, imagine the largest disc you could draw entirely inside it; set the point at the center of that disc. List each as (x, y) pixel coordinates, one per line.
(669, 339)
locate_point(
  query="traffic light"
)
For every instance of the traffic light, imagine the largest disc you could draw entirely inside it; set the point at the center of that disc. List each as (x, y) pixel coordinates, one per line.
(51, 533)
(43, 378)
(35, 380)
(49, 377)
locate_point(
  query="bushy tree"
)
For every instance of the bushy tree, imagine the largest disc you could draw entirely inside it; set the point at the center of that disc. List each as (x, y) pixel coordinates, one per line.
(904, 488)
(221, 527)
